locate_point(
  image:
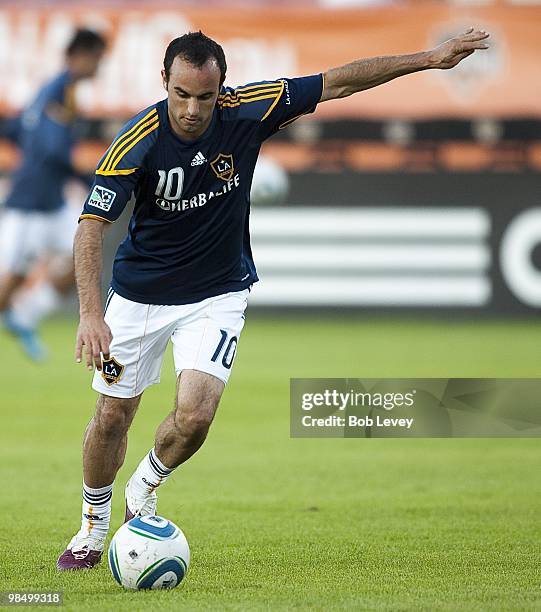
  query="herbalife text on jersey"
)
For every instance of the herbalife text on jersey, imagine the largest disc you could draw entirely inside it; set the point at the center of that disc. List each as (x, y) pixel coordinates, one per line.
(198, 200)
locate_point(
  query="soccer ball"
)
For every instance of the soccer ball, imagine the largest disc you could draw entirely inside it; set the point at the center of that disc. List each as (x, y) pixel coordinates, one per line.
(149, 552)
(270, 185)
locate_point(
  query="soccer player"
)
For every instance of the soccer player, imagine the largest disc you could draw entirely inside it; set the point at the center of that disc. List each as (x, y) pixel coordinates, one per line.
(185, 269)
(36, 218)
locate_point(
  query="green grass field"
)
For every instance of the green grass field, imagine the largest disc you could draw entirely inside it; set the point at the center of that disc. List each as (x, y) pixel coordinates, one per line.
(291, 524)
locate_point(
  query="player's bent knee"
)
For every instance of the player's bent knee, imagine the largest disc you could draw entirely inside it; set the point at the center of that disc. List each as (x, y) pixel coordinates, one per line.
(194, 416)
(114, 415)
(111, 424)
(195, 423)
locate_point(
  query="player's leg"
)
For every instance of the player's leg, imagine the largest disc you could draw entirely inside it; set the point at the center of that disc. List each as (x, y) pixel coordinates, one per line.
(9, 283)
(17, 250)
(104, 449)
(106, 439)
(37, 302)
(22, 240)
(185, 429)
(33, 304)
(204, 349)
(178, 437)
(140, 334)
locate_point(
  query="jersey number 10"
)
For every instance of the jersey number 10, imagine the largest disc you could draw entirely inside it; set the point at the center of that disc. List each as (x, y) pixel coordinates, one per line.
(170, 184)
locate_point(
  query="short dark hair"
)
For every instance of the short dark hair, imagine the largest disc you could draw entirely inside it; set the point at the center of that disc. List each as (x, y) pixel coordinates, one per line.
(197, 49)
(85, 40)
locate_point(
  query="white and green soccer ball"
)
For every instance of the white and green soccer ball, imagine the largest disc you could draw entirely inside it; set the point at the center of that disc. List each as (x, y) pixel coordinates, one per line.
(149, 552)
(270, 184)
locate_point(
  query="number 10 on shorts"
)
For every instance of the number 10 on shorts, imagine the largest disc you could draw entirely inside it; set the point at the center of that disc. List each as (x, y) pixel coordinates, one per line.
(228, 353)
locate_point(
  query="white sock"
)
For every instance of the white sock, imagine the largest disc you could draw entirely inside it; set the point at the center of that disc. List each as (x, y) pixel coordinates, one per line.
(35, 304)
(96, 513)
(149, 475)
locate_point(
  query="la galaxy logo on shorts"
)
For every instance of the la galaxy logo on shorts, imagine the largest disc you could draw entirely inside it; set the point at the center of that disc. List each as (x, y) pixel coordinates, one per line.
(102, 198)
(223, 166)
(111, 371)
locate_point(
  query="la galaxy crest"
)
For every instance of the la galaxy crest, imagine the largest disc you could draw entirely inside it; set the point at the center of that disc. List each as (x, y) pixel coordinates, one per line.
(111, 371)
(223, 166)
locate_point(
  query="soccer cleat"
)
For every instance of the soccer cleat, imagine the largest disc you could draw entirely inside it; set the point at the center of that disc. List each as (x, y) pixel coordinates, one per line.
(27, 337)
(137, 506)
(81, 553)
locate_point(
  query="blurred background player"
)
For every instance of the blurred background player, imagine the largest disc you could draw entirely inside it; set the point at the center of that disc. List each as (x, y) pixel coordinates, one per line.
(37, 221)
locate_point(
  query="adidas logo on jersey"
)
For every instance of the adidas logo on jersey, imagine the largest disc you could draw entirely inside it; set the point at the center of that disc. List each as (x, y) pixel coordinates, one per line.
(199, 159)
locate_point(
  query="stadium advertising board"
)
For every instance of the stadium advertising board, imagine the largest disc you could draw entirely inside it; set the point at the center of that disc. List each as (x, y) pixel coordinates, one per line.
(468, 242)
(260, 44)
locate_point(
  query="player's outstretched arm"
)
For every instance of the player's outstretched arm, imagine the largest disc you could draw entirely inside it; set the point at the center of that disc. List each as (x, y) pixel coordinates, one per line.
(366, 73)
(93, 333)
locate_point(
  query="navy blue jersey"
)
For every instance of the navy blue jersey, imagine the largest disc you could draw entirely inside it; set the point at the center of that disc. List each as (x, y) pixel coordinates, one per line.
(188, 238)
(45, 136)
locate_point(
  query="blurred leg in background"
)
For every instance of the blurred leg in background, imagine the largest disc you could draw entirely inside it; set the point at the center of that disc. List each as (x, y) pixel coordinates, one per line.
(36, 251)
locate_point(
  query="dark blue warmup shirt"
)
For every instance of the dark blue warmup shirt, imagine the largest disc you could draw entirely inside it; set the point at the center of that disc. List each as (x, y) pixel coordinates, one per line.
(188, 238)
(45, 135)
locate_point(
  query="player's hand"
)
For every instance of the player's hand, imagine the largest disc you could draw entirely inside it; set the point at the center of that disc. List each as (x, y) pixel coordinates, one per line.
(453, 51)
(94, 334)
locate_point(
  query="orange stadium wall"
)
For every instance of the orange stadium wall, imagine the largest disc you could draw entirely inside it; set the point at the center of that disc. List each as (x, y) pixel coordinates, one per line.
(266, 44)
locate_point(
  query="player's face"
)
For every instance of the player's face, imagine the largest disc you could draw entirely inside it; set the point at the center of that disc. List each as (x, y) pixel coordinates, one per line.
(86, 63)
(192, 95)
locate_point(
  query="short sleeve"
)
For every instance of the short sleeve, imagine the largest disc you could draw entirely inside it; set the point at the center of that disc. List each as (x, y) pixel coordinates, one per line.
(297, 97)
(121, 167)
(108, 196)
(60, 89)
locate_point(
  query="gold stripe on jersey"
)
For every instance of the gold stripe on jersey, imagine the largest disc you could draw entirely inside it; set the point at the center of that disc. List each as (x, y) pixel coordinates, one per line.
(258, 86)
(115, 145)
(290, 121)
(119, 157)
(256, 90)
(249, 98)
(70, 101)
(248, 88)
(121, 151)
(274, 103)
(267, 97)
(116, 172)
(265, 94)
(97, 217)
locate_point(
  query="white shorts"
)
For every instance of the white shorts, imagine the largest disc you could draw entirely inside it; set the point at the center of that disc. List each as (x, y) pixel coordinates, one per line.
(27, 236)
(204, 336)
